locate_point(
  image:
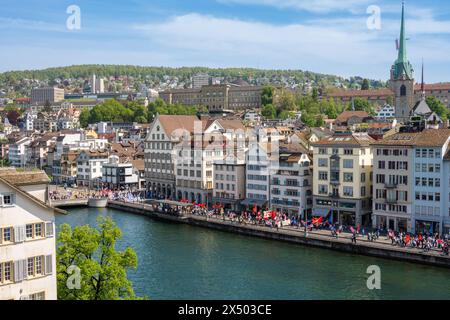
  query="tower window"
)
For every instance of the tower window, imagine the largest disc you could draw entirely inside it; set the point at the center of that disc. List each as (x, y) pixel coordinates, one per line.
(403, 91)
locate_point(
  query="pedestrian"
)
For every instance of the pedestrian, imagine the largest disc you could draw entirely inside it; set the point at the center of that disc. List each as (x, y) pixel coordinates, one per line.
(354, 237)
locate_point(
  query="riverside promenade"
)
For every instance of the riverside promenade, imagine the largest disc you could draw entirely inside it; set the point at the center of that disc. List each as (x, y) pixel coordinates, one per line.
(323, 239)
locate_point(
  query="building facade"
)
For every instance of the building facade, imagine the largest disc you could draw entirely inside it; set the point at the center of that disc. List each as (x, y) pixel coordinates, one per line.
(44, 95)
(342, 178)
(27, 238)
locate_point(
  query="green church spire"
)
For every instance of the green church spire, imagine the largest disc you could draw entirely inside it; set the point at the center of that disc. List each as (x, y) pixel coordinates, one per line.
(402, 48)
(403, 68)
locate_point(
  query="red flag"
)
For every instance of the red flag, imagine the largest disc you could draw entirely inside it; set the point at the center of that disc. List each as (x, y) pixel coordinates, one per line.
(317, 221)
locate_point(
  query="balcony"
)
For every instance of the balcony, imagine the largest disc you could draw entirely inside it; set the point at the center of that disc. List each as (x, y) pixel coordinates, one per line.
(391, 200)
(334, 195)
(335, 182)
(390, 185)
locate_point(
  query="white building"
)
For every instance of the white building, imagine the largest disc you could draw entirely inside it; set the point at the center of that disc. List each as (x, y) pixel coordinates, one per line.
(119, 176)
(386, 112)
(411, 181)
(200, 80)
(89, 167)
(252, 116)
(27, 237)
(291, 184)
(18, 152)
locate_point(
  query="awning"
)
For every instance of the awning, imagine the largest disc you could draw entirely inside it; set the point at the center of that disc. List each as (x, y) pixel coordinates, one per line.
(252, 202)
(319, 212)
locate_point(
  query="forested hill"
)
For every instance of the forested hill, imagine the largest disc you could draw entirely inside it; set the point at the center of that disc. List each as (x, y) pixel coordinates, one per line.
(253, 76)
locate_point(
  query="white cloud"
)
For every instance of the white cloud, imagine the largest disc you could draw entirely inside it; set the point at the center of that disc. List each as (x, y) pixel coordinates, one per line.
(341, 46)
(318, 6)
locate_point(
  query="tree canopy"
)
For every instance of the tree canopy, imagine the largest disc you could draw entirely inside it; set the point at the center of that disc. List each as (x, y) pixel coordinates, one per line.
(102, 269)
(437, 106)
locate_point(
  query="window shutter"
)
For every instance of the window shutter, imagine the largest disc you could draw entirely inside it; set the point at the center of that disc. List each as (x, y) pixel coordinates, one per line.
(19, 235)
(1, 235)
(25, 268)
(49, 232)
(18, 271)
(48, 264)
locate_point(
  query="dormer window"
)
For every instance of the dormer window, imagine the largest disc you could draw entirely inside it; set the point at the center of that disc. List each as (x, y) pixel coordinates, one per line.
(7, 200)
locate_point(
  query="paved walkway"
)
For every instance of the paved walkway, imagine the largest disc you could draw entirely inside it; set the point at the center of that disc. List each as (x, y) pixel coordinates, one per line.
(381, 243)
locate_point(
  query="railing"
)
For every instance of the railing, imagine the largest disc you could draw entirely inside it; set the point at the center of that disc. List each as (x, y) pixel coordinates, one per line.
(391, 185)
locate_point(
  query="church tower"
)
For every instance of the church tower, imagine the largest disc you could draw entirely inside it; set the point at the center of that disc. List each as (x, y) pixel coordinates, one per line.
(402, 78)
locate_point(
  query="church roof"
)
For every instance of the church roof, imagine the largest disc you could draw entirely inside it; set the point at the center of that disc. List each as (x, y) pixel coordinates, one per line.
(402, 67)
(421, 108)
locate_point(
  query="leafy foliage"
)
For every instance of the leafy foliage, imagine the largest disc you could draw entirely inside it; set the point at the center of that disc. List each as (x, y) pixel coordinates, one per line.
(437, 106)
(103, 269)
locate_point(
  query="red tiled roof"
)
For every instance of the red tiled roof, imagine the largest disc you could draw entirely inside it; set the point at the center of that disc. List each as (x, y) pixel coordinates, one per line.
(344, 116)
(432, 87)
(361, 93)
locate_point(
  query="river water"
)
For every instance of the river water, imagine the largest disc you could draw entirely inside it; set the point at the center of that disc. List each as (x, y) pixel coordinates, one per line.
(178, 261)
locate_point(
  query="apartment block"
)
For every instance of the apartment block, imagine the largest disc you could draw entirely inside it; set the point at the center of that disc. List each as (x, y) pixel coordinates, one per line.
(291, 183)
(342, 178)
(44, 95)
(410, 182)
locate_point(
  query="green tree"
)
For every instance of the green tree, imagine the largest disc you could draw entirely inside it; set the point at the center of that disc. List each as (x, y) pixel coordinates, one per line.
(365, 85)
(47, 107)
(84, 118)
(269, 111)
(438, 107)
(267, 95)
(315, 94)
(363, 105)
(103, 269)
(286, 102)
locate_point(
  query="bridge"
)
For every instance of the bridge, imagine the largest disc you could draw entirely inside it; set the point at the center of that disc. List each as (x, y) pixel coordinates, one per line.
(69, 203)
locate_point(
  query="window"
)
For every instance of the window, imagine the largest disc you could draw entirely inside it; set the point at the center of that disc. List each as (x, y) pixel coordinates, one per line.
(6, 272)
(37, 296)
(7, 234)
(323, 162)
(348, 151)
(323, 175)
(7, 200)
(348, 191)
(403, 91)
(348, 177)
(38, 230)
(29, 230)
(323, 189)
(348, 163)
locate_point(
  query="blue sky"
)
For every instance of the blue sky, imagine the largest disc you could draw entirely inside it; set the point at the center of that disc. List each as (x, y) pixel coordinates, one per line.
(327, 36)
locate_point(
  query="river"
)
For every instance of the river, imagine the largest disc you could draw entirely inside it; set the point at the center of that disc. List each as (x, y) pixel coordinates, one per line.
(179, 261)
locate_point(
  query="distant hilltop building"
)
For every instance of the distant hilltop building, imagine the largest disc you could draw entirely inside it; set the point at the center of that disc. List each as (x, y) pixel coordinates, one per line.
(97, 84)
(403, 92)
(49, 94)
(235, 96)
(201, 79)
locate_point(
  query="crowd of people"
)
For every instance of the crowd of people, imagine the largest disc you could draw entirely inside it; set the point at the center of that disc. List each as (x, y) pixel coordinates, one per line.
(423, 241)
(82, 194)
(272, 219)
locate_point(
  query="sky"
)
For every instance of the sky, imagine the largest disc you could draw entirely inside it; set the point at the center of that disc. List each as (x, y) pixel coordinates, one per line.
(341, 37)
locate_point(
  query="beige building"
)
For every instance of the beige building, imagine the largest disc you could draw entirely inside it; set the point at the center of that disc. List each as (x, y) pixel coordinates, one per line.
(44, 95)
(217, 97)
(163, 135)
(342, 178)
(27, 237)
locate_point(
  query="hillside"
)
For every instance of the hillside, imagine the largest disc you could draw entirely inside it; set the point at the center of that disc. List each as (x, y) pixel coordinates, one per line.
(72, 77)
